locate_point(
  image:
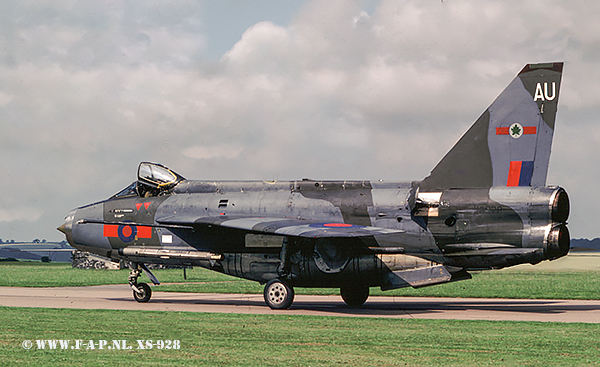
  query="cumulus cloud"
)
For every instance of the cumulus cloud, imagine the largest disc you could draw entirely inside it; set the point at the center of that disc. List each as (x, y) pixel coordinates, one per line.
(203, 152)
(20, 214)
(344, 90)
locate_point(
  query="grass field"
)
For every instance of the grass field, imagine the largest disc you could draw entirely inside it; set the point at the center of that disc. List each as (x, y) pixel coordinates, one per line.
(573, 277)
(262, 340)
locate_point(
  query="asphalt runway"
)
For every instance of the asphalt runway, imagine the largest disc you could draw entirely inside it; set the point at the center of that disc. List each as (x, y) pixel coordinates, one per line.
(119, 297)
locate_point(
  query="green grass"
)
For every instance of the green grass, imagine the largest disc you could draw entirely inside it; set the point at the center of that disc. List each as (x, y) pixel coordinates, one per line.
(520, 283)
(37, 274)
(515, 284)
(276, 340)
(267, 340)
(492, 284)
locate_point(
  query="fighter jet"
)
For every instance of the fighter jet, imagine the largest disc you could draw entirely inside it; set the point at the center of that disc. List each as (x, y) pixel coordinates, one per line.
(485, 205)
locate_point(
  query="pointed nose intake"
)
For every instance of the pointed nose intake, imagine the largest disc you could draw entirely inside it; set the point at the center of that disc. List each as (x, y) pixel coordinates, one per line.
(67, 227)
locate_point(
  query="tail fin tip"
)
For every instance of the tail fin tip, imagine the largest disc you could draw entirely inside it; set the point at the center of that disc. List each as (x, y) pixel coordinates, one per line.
(552, 66)
(510, 143)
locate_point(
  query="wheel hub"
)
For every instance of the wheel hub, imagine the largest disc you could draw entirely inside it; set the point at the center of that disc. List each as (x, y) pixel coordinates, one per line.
(277, 293)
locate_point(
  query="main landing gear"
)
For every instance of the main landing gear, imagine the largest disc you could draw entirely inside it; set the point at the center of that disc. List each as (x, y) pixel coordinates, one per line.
(279, 295)
(141, 291)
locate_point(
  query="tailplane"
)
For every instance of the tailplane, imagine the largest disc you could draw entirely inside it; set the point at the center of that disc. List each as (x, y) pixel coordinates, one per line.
(509, 145)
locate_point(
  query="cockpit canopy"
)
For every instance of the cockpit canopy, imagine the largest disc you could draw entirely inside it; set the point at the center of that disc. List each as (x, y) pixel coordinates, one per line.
(153, 180)
(157, 175)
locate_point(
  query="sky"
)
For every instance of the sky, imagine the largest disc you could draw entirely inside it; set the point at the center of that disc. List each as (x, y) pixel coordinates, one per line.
(267, 90)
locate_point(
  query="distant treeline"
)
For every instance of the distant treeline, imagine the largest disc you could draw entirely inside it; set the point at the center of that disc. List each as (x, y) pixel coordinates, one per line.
(584, 243)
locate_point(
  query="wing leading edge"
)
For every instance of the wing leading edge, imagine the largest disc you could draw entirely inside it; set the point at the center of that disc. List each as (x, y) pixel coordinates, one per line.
(281, 226)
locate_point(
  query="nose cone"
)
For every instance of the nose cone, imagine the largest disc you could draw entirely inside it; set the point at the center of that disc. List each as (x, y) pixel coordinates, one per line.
(67, 227)
(84, 230)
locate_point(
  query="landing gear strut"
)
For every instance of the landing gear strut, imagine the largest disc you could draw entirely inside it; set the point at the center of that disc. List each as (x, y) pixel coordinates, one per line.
(141, 291)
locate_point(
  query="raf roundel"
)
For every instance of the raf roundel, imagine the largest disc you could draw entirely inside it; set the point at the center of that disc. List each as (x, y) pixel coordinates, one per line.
(127, 233)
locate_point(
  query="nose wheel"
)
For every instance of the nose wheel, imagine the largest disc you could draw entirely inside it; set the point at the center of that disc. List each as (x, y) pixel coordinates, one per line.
(141, 291)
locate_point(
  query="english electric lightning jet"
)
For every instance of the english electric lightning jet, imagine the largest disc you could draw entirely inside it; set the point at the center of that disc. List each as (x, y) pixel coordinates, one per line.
(484, 206)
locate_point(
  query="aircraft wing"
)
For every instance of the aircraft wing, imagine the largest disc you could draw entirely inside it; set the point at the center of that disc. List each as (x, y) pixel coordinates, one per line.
(281, 226)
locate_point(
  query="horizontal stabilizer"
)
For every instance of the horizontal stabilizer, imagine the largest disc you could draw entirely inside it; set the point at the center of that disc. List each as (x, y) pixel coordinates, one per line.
(494, 251)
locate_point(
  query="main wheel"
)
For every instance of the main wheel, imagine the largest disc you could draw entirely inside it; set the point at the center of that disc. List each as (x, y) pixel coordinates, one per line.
(144, 294)
(354, 296)
(278, 295)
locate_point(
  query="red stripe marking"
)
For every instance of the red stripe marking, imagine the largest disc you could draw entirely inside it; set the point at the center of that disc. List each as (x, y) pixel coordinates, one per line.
(144, 232)
(526, 130)
(514, 173)
(502, 131)
(337, 225)
(111, 230)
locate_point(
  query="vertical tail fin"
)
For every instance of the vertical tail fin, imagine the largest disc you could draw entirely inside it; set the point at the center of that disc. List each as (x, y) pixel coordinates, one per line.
(509, 145)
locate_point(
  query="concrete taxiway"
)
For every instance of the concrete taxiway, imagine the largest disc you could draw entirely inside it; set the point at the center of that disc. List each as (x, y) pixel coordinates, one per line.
(119, 297)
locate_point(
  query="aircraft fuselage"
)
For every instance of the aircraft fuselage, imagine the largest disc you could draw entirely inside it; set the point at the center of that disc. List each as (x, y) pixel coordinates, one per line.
(485, 205)
(459, 228)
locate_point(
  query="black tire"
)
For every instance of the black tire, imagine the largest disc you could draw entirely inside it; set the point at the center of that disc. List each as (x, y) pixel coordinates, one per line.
(278, 295)
(144, 294)
(354, 296)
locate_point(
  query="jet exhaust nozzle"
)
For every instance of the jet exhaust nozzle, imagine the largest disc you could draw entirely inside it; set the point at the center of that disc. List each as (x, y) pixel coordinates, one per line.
(560, 206)
(559, 242)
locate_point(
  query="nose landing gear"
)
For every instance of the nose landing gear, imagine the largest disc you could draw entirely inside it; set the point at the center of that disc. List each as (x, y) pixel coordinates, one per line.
(141, 291)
